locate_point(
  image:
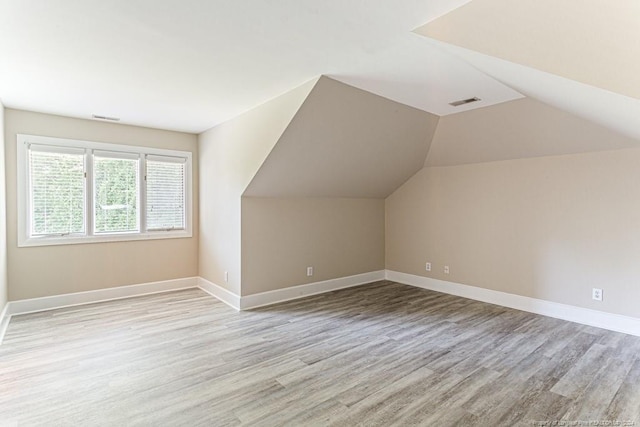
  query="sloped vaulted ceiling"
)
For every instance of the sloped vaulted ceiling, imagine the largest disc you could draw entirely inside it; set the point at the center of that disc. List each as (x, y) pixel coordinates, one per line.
(345, 142)
(594, 42)
(582, 56)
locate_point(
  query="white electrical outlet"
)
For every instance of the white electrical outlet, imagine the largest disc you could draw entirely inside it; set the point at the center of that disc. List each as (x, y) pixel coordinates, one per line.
(597, 294)
(446, 269)
(226, 276)
(427, 266)
(309, 271)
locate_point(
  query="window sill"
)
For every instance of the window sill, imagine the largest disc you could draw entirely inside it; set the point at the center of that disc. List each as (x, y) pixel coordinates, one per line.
(124, 237)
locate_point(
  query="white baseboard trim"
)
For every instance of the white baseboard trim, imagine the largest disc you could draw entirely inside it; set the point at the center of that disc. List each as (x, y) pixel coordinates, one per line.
(585, 316)
(248, 302)
(295, 292)
(217, 291)
(235, 301)
(5, 317)
(88, 297)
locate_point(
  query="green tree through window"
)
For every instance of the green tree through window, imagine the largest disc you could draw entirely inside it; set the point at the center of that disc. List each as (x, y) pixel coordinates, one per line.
(116, 194)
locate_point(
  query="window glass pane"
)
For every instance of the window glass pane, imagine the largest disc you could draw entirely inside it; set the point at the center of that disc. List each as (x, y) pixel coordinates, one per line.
(165, 195)
(115, 194)
(57, 193)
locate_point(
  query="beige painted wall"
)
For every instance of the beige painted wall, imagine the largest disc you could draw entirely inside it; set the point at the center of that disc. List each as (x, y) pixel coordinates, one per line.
(345, 142)
(230, 156)
(550, 228)
(282, 236)
(52, 270)
(516, 130)
(4, 291)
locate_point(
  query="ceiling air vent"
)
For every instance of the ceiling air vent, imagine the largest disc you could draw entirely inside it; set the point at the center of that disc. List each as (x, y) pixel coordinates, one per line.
(111, 119)
(464, 101)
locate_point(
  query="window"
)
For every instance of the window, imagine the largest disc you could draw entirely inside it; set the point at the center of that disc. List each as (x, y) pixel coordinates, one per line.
(57, 196)
(115, 193)
(79, 192)
(165, 195)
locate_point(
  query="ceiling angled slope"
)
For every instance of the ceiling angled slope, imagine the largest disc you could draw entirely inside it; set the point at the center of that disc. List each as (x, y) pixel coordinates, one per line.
(419, 74)
(578, 56)
(515, 130)
(237, 148)
(345, 142)
(617, 112)
(594, 42)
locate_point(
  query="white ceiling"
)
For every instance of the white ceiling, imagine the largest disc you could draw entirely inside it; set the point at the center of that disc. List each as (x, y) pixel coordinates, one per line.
(191, 64)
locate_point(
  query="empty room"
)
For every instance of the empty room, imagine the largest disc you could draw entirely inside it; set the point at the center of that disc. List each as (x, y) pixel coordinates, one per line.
(320, 213)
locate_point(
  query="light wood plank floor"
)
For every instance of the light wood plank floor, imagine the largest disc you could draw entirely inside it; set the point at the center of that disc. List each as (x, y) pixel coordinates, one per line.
(380, 354)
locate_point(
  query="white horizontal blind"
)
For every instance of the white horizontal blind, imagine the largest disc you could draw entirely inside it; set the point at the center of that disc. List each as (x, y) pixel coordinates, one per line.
(56, 191)
(165, 193)
(115, 189)
(74, 192)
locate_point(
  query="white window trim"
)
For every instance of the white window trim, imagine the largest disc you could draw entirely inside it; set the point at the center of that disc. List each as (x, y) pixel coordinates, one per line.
(24, 240)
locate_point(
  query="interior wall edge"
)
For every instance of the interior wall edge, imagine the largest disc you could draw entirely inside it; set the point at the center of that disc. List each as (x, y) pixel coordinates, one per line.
(5, 318)
(434, 137)
(4, 288)
(222, 294)
(261, 299)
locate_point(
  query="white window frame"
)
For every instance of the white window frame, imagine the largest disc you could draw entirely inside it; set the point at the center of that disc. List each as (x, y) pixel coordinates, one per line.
(24, 211)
